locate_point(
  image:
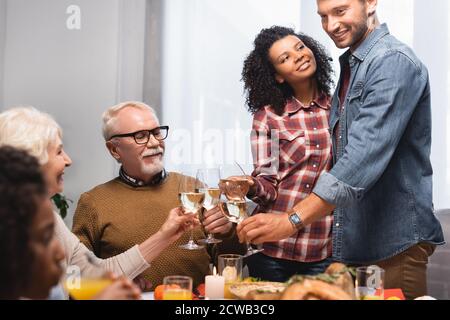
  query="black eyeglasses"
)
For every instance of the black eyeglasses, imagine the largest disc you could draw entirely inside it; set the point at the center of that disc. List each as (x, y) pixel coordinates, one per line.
(143, 136)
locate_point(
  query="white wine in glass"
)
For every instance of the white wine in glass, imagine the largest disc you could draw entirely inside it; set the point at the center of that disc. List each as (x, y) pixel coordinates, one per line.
(212, 197)
(209, 178)
(192, 202)
(236, 211)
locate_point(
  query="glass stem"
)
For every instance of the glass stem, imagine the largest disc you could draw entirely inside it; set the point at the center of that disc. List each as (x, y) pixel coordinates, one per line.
(191, 236)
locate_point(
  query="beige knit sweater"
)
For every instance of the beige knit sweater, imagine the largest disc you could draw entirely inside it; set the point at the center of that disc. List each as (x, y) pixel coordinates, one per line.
(113, 217)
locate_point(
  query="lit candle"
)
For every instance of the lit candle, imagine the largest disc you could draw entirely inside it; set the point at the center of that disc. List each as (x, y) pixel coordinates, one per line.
(214, 286)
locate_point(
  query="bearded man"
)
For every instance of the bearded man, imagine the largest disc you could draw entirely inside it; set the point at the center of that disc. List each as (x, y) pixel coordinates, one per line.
(114, 216)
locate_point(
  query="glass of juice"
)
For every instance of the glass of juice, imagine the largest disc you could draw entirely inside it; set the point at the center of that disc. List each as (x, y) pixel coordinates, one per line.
(177, 288)
(87, 288)
(86, 285)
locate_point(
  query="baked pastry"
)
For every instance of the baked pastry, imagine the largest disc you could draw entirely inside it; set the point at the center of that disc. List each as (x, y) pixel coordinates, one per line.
(335, 284)
(344, 278)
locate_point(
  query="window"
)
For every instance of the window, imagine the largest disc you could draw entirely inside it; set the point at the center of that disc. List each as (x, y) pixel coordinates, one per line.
(205, 44)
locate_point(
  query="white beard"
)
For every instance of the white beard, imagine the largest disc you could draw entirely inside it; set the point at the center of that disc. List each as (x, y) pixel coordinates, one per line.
(153, 168)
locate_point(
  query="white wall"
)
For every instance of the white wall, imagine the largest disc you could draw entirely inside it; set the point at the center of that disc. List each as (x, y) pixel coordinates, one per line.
(153, 54)
(431, 43)
(74, 75)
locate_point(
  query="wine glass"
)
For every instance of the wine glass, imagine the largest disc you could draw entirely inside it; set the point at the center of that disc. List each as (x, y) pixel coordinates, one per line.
(235, 208)
(191, 201)
(210, 180)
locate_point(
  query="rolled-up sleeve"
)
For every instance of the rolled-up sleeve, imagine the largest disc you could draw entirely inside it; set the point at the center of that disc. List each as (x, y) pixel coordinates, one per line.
(265, 173)
(393, 88)
(334, 191)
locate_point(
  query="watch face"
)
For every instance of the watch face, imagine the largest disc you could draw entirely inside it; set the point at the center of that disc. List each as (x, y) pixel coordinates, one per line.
(295, 219)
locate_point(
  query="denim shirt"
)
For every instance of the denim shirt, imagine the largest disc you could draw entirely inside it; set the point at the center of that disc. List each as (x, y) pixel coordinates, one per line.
(381, 180)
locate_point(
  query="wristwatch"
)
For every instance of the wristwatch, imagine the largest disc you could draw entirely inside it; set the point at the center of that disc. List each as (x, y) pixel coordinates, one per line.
(296, 220)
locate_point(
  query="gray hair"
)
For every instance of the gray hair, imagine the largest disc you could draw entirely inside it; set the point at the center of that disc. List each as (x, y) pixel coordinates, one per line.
(109, 117)
(29, 129)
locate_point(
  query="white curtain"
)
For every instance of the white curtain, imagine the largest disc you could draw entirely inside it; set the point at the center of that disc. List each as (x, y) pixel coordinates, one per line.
(206, 42)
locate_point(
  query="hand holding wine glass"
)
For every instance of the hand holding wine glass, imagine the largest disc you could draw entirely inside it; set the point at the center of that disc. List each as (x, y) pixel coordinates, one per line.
(209, 179)
(191, 201)
(215, 222)
(235, 209)
(176, 224)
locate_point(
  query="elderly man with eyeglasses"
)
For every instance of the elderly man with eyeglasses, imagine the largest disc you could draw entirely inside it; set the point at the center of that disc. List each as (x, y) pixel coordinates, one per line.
(114, 216)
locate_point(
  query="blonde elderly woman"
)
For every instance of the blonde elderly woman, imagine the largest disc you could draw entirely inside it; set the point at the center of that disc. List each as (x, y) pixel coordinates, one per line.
(38, 133)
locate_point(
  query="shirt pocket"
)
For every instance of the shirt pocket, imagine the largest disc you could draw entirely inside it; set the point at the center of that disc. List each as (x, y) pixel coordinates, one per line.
(355, 92)
(355, 101)
(292, 146)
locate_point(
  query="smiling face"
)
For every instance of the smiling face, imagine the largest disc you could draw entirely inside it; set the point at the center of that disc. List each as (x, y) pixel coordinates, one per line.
(53, 170)
(346, 21)
(46, 269)
(293, 62)
(139, 161)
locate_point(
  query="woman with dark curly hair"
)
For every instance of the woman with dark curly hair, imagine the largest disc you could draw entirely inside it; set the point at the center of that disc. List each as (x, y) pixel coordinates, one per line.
(288, 81)
(31, 256)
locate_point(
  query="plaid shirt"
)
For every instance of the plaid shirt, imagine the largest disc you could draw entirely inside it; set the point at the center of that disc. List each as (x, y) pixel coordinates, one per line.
(290, 152)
